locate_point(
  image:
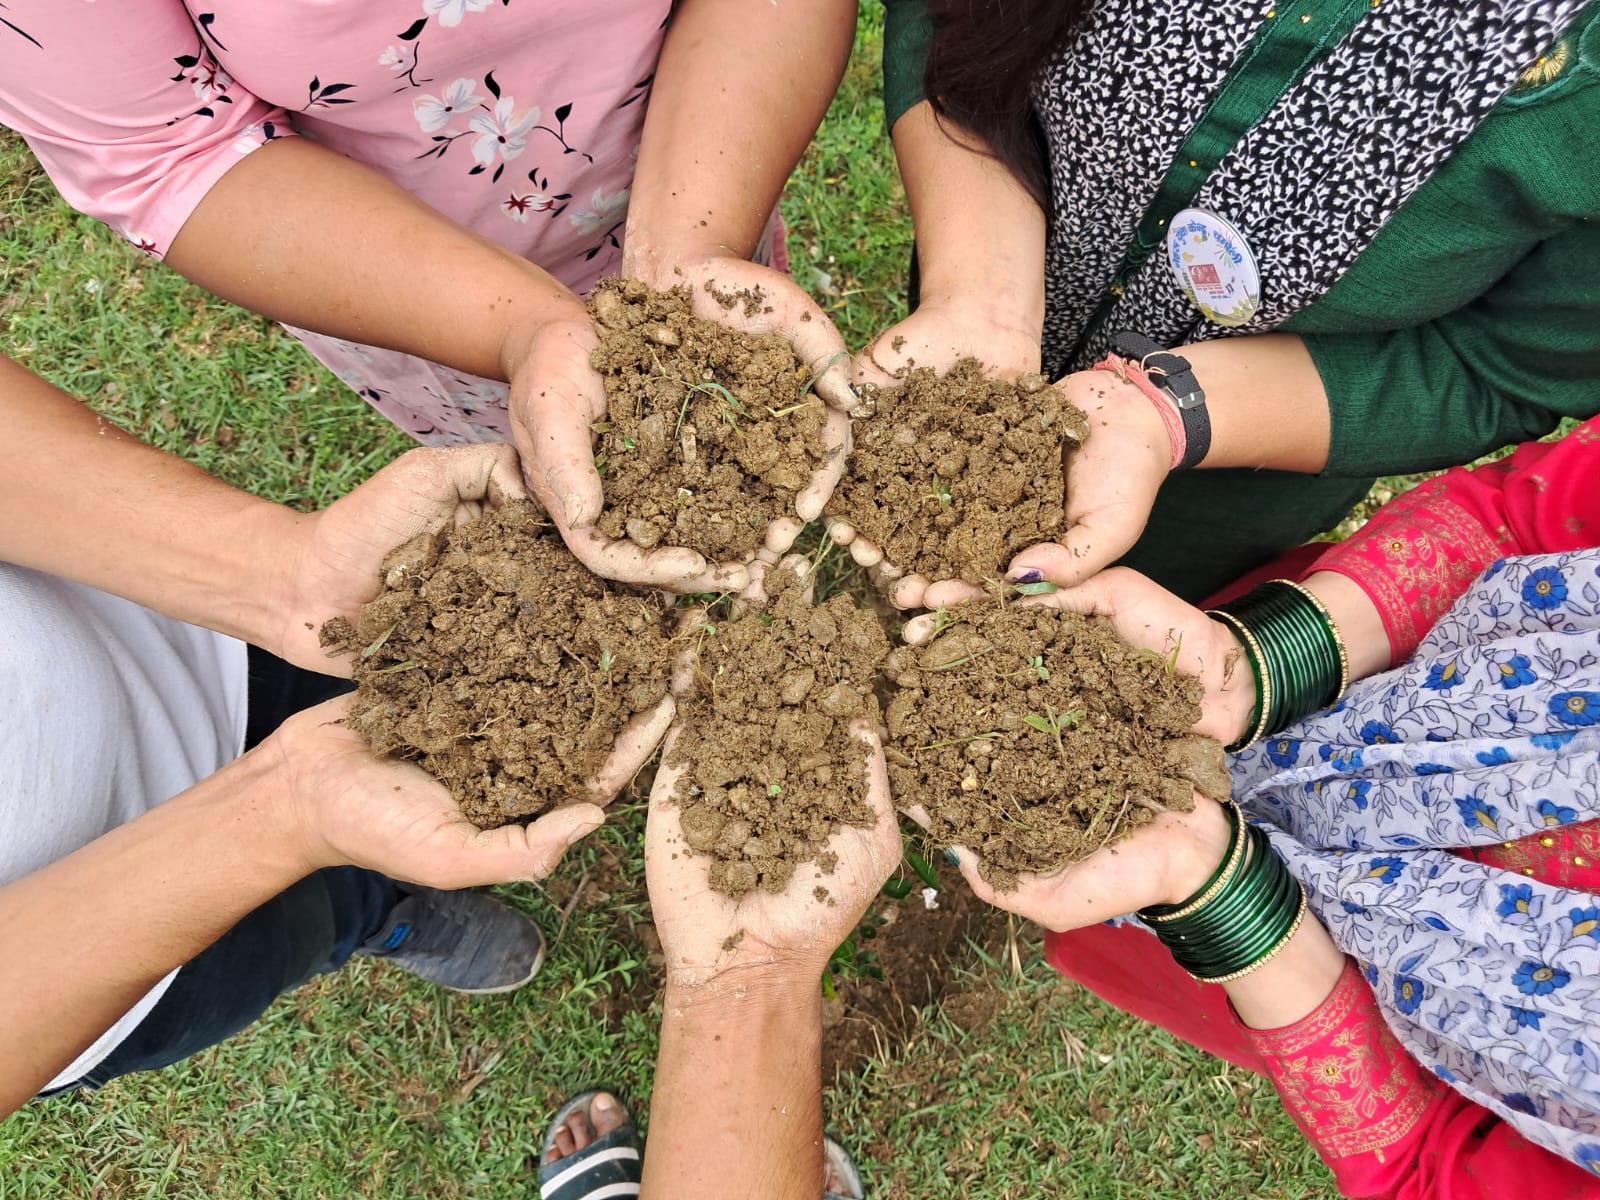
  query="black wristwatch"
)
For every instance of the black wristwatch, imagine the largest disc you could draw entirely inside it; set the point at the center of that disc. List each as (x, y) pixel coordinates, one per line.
(1172, 374)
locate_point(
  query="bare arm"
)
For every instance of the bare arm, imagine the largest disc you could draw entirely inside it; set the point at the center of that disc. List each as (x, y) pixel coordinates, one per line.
(739, 91)
(182, 874)
(753, 1042)
(335, 247)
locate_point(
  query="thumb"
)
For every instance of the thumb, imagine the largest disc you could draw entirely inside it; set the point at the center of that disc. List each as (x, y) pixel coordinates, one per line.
(553, 834)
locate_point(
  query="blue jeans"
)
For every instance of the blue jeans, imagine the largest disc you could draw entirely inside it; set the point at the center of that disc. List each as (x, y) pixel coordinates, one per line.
(309, 929)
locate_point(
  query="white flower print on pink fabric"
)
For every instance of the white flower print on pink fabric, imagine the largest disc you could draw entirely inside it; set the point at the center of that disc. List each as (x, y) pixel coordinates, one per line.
(434, 112)
(450, 12)
(518, 207)
(602, 210)
(500, 134)
(208, 79)
(393, 58)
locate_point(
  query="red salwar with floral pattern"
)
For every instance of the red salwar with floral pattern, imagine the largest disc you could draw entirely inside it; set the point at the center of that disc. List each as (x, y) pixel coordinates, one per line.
(1384, 1125)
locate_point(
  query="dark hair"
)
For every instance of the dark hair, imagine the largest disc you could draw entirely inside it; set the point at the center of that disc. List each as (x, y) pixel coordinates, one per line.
(982, 61)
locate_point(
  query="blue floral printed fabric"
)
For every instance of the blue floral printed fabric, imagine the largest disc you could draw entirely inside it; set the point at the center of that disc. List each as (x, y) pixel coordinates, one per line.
(1490, 733)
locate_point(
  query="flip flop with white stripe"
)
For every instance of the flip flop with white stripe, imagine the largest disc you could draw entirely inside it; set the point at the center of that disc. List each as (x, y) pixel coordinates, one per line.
(611, 1166)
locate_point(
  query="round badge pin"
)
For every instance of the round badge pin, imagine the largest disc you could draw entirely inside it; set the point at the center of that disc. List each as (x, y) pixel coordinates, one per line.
(1213, 265)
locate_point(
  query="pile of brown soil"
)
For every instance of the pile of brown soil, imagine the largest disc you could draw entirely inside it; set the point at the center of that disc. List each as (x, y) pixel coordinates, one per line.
(773, 770)
(710, 433)
(500, 665)
(1036, 737)
(952, 475)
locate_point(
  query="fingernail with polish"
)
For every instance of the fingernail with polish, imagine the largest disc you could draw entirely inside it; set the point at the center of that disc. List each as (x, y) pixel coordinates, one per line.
(952, 857)
(1027, 575)
(855, 391)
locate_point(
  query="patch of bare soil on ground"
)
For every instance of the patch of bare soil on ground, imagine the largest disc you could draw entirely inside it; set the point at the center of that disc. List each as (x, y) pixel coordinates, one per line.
(1035, 737)
(710, 433)
(952, 475)
(908, 964)
(499, 664)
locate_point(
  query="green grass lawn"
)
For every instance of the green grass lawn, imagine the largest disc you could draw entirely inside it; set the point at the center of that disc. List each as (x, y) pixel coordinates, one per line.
(365, 1084)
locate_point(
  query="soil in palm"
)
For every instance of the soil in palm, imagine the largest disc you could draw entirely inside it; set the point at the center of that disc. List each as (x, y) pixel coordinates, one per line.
(710, 433)
(499, 664)
(1036, 737)
(954, 474)
(773, 770)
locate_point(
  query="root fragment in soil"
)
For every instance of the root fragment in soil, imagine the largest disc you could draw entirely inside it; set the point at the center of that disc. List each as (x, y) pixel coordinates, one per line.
(496, 661)
(710, 433)
(773, 771)
(952, 475)
(1036, 737)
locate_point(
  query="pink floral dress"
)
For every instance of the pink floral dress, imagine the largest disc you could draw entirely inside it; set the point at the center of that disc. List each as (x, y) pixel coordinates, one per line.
(520, 119)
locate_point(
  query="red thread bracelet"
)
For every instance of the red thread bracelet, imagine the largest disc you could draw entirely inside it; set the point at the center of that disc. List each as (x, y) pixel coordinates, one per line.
(1131, 372)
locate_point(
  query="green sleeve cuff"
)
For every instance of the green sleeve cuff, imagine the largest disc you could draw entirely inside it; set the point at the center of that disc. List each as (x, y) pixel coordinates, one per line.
(1397, 405)
(906, 33)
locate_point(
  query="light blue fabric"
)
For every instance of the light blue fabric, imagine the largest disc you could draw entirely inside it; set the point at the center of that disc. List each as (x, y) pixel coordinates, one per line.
(1491, 732)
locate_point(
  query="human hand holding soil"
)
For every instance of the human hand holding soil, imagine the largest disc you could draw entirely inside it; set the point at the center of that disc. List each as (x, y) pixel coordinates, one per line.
(937, 335)
(349, 807)
(789, 935)
(1153, 620)
(556, 400)
(335, 566)
(1164, 862)
(762, 311)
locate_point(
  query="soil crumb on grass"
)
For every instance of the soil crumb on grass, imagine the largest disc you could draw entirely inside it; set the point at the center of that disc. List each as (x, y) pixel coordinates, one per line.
(710, 433)
(773, 770)
(1035, 737)
(952, 475)
(496, 661)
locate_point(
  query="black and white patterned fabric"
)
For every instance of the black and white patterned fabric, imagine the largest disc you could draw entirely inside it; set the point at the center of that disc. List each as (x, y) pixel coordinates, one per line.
(1309, 186)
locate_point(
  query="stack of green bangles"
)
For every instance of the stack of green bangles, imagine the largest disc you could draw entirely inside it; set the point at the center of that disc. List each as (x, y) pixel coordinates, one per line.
(1244, 915)
(1296, 655)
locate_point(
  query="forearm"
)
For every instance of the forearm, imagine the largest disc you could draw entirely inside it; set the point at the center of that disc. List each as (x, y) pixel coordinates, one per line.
(176, 878)
(737, 1106)
(87, 501)
(705, 185)
(980, 236)
(308, 237)
(1267, 404)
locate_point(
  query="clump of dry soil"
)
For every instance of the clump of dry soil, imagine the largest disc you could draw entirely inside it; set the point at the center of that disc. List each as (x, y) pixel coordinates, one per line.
(497, 662)
(773, 771)
(710, 433)
(1036, 737)
(952, 475)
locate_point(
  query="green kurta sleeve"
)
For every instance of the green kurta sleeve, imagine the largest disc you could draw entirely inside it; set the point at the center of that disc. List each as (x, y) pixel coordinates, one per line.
(906, 31)
(1472, 321)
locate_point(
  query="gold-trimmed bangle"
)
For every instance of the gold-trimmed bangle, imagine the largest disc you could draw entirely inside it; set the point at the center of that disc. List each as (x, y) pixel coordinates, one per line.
(1333, 628)
(1253, 647)
(1229, 870)
(1299, 919)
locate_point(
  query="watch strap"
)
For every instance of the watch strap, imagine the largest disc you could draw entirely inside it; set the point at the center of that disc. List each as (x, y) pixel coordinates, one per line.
(1172, 375)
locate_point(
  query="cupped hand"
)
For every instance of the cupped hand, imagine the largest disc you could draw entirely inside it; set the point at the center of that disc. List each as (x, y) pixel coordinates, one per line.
(351, 808)
(335, 563)
(936, 335)
(1164, 862)
(1112, 481)
(1149, 617)
(755, 299)
(705, 933)
(556, 399)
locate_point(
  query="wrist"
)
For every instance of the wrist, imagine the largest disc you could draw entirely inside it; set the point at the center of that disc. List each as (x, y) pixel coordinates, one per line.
(750, 992)
(272, 845)
(1194, 859)
(1237, 695)
(564, 316)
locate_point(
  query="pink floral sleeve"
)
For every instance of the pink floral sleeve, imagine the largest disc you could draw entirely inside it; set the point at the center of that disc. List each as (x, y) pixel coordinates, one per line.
(126, 108)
